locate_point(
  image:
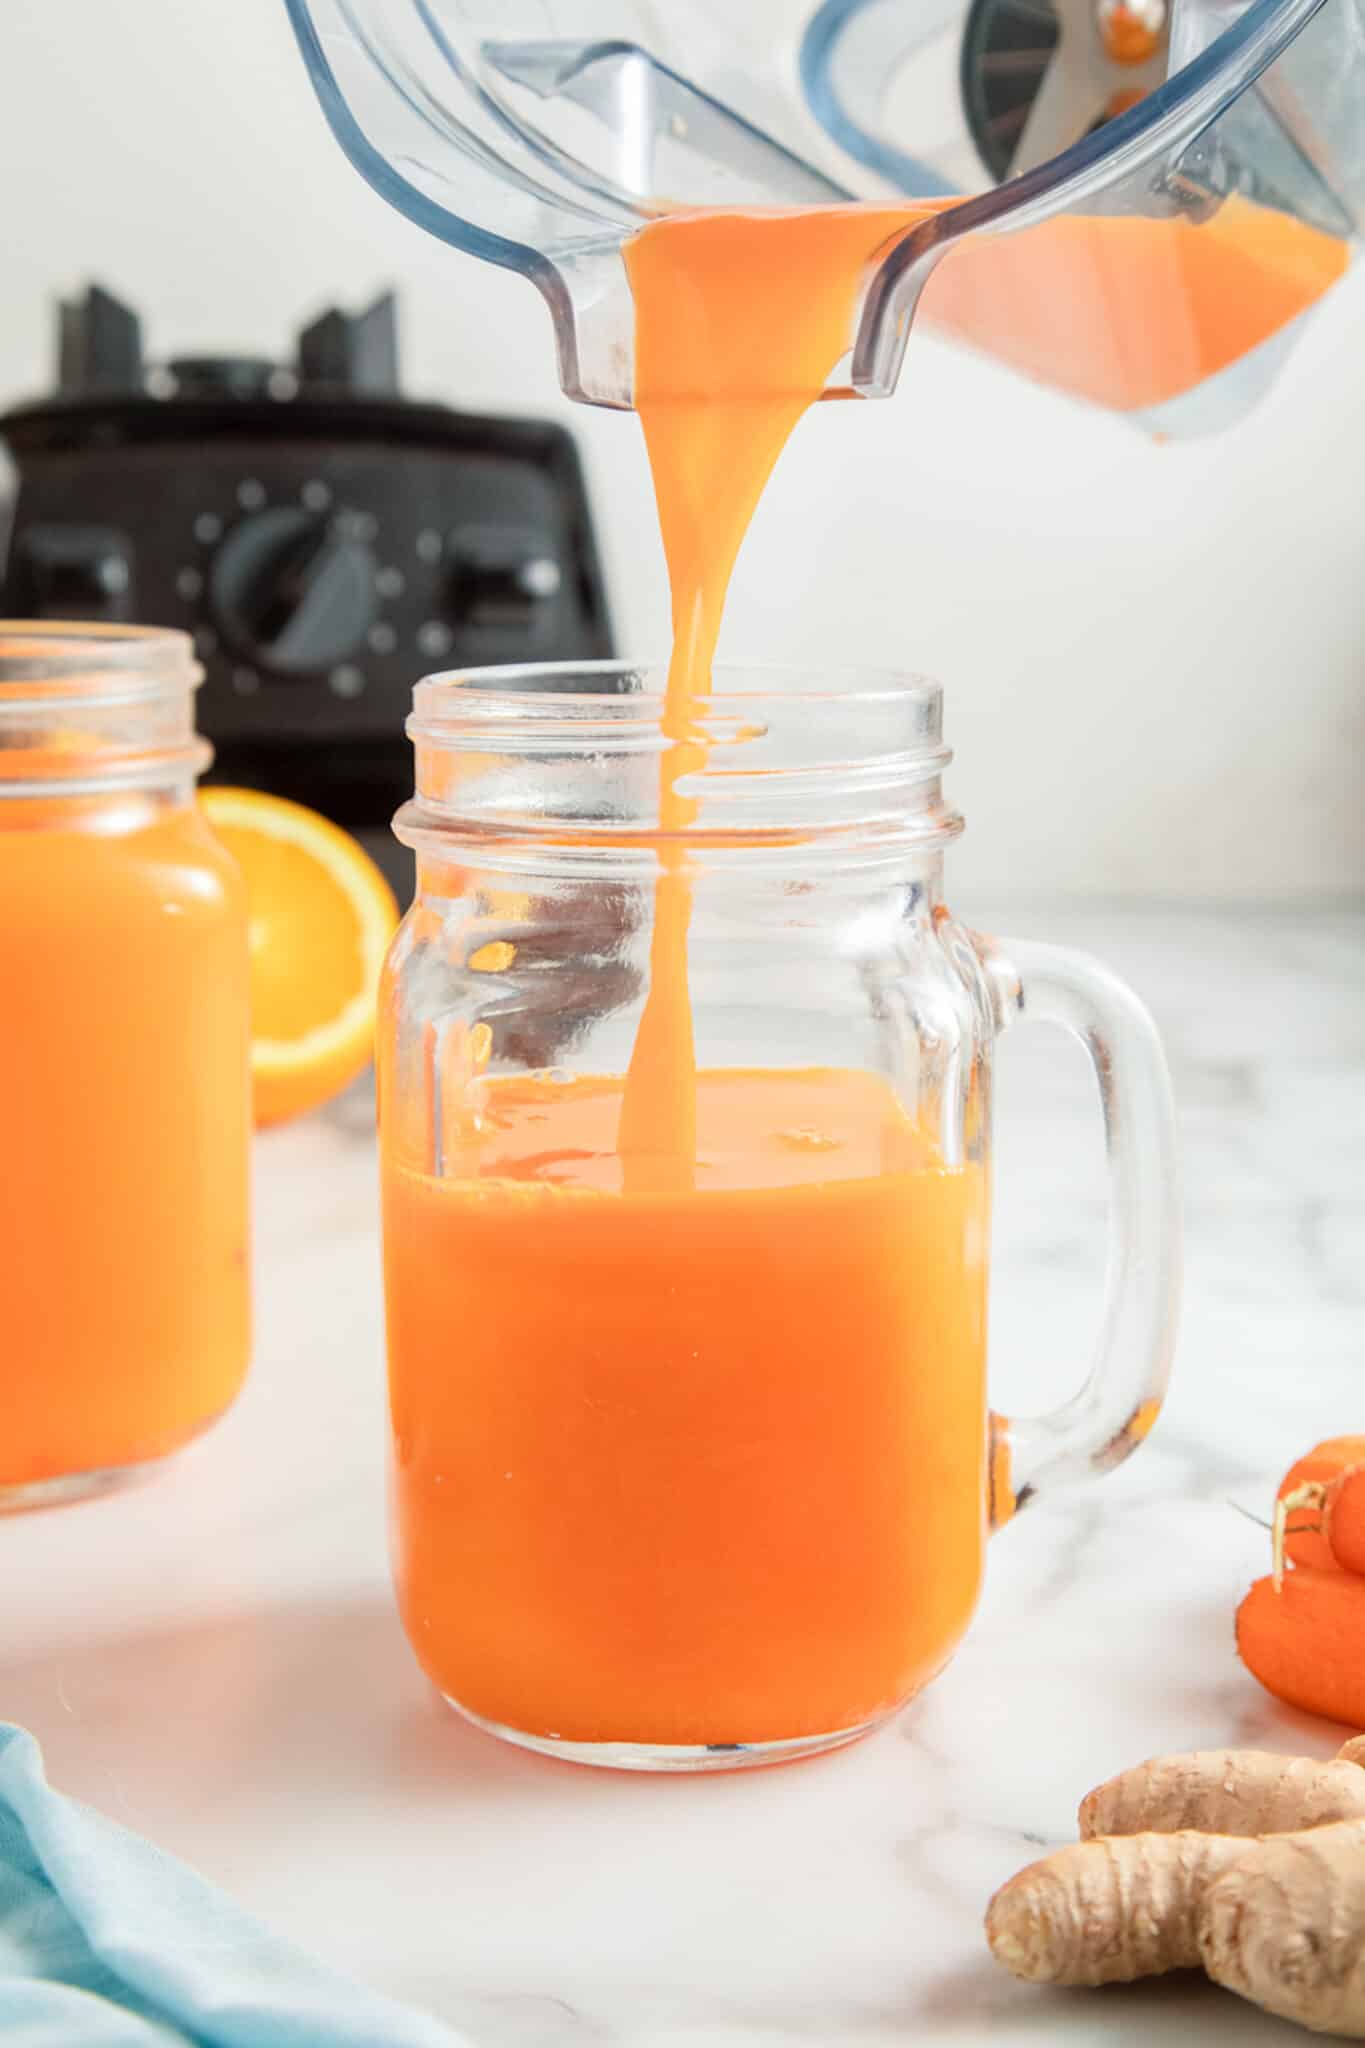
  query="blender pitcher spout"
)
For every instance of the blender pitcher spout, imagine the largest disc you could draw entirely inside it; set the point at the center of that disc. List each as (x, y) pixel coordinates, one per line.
(541, 152)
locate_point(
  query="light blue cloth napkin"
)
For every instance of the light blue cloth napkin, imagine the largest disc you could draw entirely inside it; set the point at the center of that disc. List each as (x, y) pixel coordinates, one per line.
(107, 1943)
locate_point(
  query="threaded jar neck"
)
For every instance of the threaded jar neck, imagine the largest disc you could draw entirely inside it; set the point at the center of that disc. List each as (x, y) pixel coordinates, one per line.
(575, 757)
(87, 710)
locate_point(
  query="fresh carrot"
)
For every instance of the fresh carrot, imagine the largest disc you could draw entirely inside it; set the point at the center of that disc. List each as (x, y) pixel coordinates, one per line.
(1304, 1540)
(1331, 1512)
(1305, 1641)
(1343, 1518)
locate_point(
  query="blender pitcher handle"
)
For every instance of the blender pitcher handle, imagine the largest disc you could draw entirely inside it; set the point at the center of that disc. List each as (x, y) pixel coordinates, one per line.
(1114, 1409)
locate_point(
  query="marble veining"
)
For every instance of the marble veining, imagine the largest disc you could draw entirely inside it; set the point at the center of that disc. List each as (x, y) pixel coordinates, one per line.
(213, 1658)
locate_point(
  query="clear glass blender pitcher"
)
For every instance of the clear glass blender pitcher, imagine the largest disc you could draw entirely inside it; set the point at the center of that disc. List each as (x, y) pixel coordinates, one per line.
(1151, 201)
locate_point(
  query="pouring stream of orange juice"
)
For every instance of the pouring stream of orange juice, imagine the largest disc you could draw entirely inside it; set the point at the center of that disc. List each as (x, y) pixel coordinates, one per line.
(740, 319)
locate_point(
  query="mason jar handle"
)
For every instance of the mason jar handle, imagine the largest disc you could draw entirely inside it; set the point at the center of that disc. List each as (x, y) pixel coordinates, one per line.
(1112, 1412)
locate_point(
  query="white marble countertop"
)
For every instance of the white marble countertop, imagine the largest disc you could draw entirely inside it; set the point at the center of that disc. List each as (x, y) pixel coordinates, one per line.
(213, 1658)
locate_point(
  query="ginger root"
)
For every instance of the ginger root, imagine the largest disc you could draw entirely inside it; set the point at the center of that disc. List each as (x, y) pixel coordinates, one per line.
(1276, 1914)
(1108, 1911)
(1285, 1928)
(1225, 1792)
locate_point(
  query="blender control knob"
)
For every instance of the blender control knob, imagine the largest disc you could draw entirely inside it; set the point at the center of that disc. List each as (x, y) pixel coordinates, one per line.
(292, 591)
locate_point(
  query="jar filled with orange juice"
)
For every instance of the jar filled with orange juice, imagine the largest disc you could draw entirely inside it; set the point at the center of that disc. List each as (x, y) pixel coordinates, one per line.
(124, 1087)
(685, 1133)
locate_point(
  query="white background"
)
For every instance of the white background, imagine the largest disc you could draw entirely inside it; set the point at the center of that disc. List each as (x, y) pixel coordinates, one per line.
(1154, 657)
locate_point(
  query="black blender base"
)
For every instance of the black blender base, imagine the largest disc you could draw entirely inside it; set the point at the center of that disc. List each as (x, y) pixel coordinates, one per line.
(394, 862)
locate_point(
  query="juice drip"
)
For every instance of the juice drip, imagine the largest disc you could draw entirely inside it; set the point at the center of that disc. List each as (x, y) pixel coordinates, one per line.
(739, 320)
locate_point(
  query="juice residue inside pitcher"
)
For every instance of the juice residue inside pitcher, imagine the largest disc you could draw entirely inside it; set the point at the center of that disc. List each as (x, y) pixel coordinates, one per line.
(1129, 312)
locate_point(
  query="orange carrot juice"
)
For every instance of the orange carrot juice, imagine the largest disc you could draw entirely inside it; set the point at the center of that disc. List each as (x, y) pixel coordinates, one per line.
(124, 1108)
(691, 1467)
(1130, 312)
(739, 320)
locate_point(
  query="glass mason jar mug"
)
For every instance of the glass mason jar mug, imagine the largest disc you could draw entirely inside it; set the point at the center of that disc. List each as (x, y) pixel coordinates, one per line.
(124, 1082)
(686, 1143)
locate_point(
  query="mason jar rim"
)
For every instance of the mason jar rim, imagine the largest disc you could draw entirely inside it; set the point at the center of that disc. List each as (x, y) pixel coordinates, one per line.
(467, 692)
(88, 708)
(576, 754)
(91, 659)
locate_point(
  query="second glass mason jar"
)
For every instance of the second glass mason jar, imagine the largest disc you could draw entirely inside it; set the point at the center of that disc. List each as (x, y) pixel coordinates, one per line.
(124, 1082)
(686, 1178)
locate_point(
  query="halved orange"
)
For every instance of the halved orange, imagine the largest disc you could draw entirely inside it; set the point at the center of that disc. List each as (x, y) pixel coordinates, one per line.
(321, 917)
